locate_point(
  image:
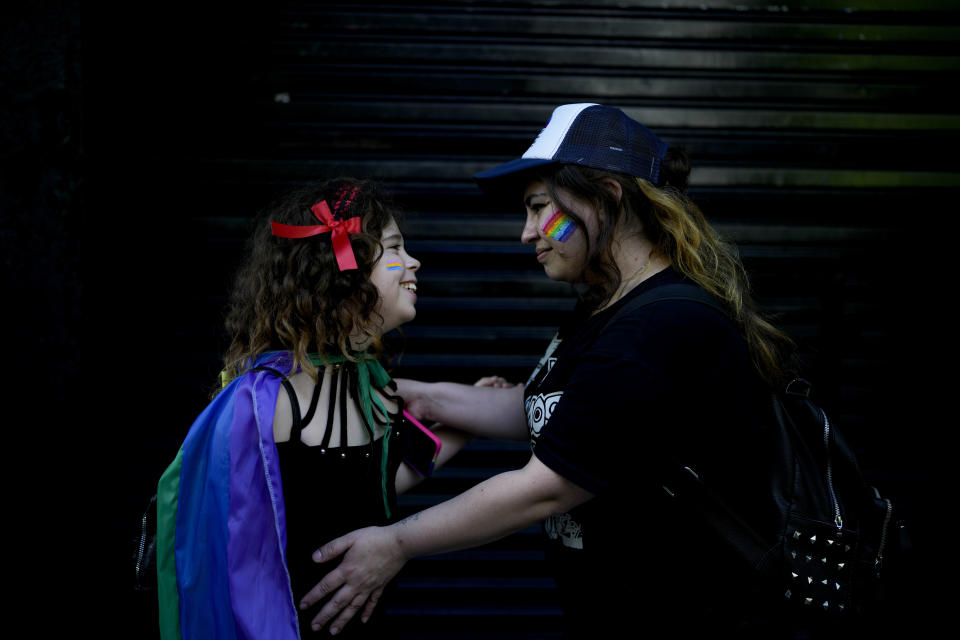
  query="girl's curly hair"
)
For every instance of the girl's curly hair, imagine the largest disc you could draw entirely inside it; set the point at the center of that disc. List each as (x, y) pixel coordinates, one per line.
(290, 294)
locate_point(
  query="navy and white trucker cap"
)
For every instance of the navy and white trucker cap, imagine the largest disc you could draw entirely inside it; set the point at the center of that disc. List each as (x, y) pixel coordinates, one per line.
(587, 134)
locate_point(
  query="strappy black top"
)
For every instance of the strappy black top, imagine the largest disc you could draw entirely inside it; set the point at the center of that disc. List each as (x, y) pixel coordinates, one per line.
(330, 491)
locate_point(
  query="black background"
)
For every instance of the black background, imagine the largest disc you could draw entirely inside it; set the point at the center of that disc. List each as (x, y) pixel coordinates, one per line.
(109, 118)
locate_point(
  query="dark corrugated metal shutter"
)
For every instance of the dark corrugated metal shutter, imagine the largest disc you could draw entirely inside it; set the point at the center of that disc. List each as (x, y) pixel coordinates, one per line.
(818, 130)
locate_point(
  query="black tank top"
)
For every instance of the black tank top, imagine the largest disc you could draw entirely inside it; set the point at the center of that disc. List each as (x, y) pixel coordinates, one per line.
(330, 491)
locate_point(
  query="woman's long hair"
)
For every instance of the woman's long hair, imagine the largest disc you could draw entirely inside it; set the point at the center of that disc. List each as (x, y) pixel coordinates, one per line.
(290, 294)
(680, 233)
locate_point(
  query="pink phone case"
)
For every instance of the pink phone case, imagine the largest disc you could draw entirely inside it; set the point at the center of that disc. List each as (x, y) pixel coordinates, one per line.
(429, 434)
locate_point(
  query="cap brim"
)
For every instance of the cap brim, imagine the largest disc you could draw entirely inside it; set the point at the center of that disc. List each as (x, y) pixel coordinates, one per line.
(505, 176)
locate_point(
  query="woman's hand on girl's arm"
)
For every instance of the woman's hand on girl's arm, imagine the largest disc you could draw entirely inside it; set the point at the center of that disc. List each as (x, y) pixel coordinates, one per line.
(486, 411)
(451, 441)
(491, 510)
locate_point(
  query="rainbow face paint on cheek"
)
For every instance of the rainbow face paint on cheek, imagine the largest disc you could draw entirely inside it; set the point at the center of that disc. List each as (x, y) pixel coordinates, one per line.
(559, 226)
(394, 266)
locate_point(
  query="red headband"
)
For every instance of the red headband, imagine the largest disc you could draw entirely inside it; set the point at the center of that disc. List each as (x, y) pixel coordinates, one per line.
(339, 232)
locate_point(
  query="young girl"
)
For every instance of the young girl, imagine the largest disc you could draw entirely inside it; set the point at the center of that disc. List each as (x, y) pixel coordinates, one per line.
(305, 439)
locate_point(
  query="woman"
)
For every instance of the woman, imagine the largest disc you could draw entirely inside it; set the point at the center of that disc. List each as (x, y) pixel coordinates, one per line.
(621, 393)
(307, 435)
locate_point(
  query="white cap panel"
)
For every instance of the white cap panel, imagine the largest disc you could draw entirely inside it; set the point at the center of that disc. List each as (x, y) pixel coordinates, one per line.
(547, 143)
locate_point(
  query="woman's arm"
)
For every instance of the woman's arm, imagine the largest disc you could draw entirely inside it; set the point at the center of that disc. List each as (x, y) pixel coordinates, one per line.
(490, 510)
(485, 411)
(451, 441)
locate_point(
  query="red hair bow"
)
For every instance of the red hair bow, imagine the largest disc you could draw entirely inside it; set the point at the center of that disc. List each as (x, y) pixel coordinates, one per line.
(339, 233)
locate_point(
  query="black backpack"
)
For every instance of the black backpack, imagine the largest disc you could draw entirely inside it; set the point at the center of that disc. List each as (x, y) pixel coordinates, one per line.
(826, 559)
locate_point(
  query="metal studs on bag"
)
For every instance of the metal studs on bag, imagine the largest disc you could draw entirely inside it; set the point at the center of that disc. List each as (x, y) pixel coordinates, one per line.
(819, 561)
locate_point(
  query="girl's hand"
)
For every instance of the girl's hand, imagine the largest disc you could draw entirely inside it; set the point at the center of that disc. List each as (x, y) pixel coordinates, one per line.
(493, 381)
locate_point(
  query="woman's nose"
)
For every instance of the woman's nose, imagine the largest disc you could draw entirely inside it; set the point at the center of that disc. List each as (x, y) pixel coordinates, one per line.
(530, 231)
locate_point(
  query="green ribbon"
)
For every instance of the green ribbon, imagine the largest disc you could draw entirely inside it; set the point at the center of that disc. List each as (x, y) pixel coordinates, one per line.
(368, 369)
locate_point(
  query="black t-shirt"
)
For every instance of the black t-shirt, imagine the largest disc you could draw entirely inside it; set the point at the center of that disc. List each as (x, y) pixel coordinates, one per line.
(607, 409)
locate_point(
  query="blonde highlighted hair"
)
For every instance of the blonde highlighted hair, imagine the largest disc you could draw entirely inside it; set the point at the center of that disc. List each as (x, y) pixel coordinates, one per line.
(697, 251)
(680, 233)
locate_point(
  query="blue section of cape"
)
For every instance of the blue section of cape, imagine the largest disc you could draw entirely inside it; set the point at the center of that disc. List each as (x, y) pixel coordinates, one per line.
(230, 533)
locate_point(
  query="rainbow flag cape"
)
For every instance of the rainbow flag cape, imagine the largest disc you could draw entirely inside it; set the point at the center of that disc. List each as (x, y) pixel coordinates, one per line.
(221, 530)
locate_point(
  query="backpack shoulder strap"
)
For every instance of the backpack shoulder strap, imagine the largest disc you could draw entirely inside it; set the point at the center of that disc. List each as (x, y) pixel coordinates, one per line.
(684, 484)
(679, 291)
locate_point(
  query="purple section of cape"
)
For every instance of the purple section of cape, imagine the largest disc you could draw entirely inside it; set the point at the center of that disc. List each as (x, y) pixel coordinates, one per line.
(260, 594)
